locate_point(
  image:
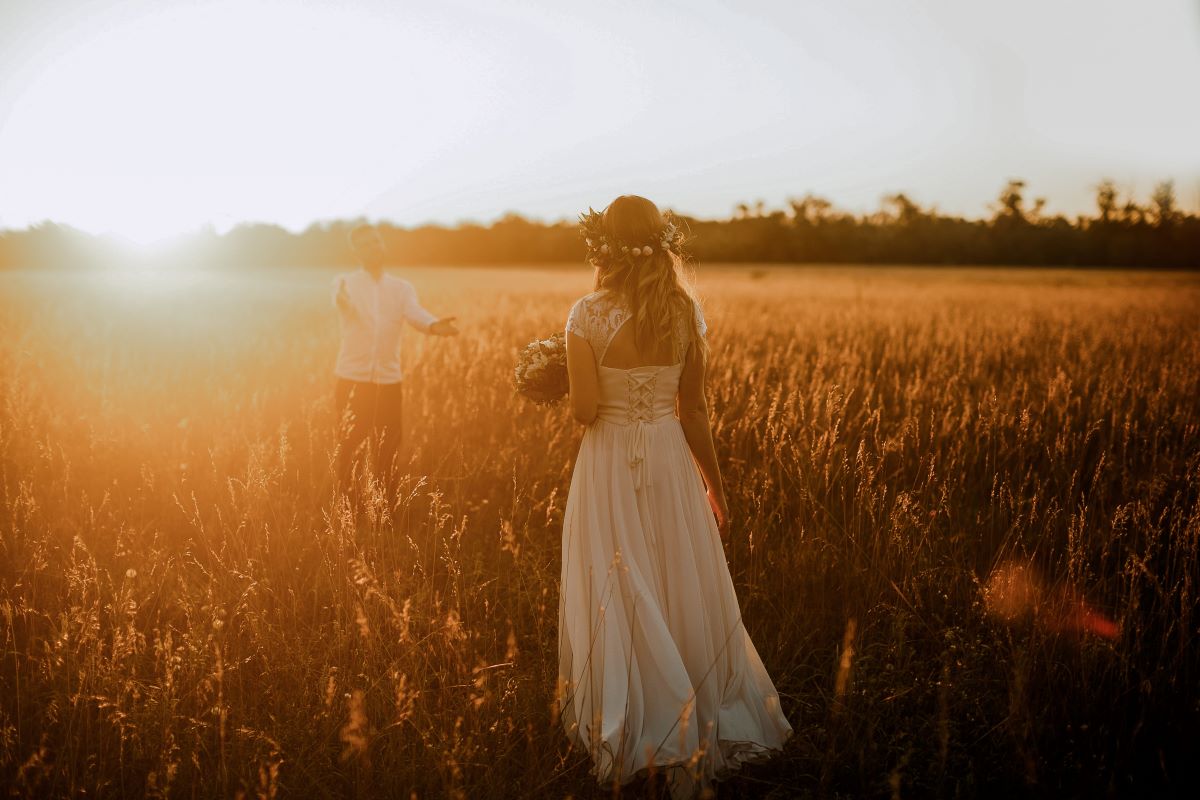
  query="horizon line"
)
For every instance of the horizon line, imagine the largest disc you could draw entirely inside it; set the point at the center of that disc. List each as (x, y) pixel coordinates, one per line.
(222, 229)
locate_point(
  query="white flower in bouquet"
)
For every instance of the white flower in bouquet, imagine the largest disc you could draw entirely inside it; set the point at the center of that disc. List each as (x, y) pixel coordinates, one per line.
(541, 371)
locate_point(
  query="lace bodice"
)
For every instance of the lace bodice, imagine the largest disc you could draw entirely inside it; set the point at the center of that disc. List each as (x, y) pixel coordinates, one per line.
(598, 316)
(631, 398)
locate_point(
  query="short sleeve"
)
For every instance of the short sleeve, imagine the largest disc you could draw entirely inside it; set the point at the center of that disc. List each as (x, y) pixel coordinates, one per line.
(688, 328)
(696, 326)
(596, 317)
(701, 325)
(576, 318)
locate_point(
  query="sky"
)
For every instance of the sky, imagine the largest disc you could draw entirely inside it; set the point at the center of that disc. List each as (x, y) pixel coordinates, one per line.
(147, 118)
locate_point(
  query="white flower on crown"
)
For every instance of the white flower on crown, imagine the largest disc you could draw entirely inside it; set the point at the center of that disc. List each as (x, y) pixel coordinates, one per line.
(668, 235)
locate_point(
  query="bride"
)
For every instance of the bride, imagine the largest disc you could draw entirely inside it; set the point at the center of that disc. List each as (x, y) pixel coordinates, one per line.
(656, 671)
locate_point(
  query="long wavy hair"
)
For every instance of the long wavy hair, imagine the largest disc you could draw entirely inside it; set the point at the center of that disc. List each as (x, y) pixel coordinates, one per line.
(652, 286)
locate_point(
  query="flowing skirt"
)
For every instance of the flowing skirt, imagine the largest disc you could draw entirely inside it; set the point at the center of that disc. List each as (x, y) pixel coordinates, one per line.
(656, 670)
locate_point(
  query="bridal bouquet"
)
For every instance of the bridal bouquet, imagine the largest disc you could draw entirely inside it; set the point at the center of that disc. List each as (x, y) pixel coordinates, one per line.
(541, 373)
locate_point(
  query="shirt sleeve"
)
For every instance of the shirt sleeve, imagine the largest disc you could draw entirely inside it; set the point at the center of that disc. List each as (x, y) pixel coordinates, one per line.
(416, 315)
(335, 286)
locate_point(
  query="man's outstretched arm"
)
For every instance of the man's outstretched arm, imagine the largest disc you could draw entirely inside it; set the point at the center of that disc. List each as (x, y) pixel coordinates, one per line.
(424, 321)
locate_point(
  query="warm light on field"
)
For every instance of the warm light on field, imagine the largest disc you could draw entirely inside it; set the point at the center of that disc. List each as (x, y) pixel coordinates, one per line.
(177, 583)
(151, 281)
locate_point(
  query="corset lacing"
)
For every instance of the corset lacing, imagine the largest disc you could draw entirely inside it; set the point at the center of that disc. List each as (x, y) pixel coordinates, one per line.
(640, 398)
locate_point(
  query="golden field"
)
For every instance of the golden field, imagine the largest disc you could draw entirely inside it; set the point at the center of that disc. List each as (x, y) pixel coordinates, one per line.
(186, 611)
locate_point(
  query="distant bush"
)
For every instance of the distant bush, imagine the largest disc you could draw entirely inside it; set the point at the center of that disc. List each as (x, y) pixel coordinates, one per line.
(809, 230)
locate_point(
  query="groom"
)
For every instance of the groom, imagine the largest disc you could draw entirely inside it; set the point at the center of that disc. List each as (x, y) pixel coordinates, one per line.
(372, 306)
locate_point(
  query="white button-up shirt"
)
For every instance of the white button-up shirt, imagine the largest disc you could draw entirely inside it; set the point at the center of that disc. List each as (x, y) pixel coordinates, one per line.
(370, 349)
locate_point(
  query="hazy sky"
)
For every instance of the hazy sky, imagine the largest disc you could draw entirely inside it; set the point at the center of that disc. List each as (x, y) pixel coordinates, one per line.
(147, 117)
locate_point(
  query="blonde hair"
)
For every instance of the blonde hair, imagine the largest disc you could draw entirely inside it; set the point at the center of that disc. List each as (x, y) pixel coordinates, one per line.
(652, 286)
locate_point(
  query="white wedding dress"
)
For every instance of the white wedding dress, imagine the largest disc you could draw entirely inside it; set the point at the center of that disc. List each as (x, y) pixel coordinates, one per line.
(656, 670)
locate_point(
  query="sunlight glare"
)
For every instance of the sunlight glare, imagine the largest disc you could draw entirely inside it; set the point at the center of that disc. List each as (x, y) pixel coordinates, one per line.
(143, 281)
(234, 112)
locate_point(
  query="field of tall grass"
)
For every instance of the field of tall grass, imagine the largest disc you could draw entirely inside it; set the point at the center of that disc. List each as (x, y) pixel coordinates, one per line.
(966, 536)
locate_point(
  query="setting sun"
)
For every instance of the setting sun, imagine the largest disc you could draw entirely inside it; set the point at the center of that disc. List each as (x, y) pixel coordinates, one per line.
(225, 112)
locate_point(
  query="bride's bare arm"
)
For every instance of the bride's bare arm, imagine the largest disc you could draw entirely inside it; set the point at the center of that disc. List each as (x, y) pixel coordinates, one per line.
(581, 369)
(693, 416)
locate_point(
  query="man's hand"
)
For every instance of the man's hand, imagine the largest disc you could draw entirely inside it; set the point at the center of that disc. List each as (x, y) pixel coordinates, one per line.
(444, 327)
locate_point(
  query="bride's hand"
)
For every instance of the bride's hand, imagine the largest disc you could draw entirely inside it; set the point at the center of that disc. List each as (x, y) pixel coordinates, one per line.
(720, 509)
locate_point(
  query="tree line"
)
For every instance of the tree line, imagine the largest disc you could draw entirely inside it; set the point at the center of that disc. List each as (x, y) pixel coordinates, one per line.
(1122, 232)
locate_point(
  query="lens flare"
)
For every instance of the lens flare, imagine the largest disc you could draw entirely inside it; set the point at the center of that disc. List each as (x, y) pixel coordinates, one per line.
(1015, 591)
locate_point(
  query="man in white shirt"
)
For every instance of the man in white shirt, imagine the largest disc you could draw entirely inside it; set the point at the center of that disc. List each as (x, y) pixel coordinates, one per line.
(372, 307)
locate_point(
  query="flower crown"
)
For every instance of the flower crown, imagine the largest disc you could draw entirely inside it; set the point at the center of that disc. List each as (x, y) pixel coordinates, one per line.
(591, 227)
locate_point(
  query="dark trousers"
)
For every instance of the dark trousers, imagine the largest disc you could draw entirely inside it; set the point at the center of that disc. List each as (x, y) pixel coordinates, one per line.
(369, 416)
